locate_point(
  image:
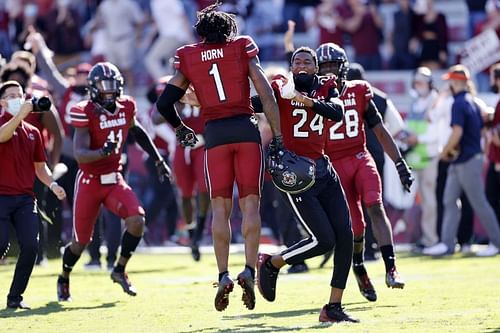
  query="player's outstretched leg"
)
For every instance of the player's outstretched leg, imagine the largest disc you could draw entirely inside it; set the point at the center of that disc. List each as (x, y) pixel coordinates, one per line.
(247, 282)
(224, 288)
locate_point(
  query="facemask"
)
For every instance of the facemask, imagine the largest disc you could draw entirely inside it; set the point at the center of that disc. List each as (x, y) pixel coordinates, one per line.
(422, 91)
(303, 82)
(494, 89)
(14, 105)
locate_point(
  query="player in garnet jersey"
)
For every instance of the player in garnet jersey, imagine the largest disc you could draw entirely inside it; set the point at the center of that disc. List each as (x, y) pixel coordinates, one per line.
(305, 100)
(346, 147)
(101, 128)
(218, 67)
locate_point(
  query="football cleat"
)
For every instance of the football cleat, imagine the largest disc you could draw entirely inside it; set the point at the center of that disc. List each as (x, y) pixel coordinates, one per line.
(247, 283)
(63, 294)
(393, 279)
(365, 287)
(224, 288)
(195, 252)
(124, 282)
(335, 314)
(17, 305)
(266, 277)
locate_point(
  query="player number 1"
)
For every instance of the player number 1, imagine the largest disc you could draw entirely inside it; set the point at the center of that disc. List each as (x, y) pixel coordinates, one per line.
(214, 71)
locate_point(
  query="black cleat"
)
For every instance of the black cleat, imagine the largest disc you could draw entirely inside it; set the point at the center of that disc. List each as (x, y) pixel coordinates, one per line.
(393, 279)
(17, 305)
(365, 286)
(224, 288)
(334, 314)
(326, 258)
(124, 282)
(195, 252)
(63, 294)
(246, 282)
(266, 277)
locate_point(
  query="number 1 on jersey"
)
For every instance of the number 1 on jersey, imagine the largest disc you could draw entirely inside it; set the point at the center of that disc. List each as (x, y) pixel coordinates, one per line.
(214, 71)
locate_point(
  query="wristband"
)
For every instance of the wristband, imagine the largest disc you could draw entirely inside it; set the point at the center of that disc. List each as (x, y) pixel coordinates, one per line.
(53, 184)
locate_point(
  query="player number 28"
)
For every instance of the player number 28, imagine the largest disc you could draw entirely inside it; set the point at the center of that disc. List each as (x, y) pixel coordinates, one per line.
(316, 124)
(351, 126)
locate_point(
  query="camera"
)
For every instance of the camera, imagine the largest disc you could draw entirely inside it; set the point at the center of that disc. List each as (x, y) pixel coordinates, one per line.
(41, 104)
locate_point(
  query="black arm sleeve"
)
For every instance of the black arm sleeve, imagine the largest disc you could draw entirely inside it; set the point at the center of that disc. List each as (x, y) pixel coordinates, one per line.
(165, 104)
(257, 104)
(144, 140)
(372, 116)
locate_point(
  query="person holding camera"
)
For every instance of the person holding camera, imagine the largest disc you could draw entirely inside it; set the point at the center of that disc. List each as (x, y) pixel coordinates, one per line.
(23, 158)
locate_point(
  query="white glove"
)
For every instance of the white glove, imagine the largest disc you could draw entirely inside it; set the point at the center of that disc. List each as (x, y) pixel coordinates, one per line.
(287, 91)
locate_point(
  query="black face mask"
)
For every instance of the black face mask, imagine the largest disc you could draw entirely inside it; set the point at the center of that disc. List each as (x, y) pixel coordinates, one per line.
(494, 89)
(303, 82)
(80, 90)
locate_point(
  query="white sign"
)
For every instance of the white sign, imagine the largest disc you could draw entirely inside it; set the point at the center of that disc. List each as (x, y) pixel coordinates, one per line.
(481, 51)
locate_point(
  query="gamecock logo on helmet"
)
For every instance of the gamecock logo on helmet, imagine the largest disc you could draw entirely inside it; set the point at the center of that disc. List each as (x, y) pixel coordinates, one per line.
(289, 179)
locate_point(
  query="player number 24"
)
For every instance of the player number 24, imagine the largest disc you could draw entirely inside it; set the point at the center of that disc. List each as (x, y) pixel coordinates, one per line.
(316, 124)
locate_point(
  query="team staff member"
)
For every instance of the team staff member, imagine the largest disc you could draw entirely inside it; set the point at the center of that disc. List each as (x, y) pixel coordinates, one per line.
(23, 157)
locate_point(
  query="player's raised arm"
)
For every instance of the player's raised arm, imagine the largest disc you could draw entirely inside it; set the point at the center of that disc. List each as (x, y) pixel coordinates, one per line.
(266, 95)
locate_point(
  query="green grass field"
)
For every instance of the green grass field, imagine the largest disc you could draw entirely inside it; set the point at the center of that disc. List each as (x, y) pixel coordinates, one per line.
(457, 294)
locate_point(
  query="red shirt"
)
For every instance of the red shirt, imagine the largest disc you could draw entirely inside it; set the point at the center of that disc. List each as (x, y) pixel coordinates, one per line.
(219, 74)
(494, 153)
(104, 125)
(303, 130)
(347, 138)
(17, 169)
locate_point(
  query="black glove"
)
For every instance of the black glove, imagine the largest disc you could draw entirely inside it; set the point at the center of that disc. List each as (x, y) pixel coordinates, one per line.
(274, 153)
(405, 175)
(108, 148)
(186, 136)
(163, 170)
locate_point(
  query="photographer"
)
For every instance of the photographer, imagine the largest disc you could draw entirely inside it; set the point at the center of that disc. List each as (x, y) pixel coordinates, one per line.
(23, 157)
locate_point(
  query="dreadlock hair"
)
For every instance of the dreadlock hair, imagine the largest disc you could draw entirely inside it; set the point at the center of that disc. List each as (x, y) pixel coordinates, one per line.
(215, 26)
(305, 49)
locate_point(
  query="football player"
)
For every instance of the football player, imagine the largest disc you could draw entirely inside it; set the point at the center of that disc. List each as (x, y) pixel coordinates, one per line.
(346, 147)
(305, 100)
(218, 67)
(102, 124)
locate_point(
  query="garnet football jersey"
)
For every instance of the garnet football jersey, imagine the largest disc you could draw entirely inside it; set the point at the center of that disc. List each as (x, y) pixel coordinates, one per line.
(219, 74)
(303, 130)
(347, 137)
(103, 126)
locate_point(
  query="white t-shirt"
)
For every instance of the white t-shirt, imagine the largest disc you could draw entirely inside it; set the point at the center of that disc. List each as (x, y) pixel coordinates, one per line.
(170, 19)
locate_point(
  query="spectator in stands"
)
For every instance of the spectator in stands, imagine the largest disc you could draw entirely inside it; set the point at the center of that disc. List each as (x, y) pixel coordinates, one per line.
(61, 26)
(365, 28)
(463, 149)
(260, 24)
(5, 42)
(173, 28)
(430, 41)
(493, 175)
(329, 18)
(477, 15)
(122, 22)
(404, 17)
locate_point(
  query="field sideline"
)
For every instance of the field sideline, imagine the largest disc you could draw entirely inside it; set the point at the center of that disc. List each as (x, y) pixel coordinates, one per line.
(457, 294)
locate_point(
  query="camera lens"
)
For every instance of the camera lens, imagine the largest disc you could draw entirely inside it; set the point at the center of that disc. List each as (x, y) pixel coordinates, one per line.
(41, 104)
